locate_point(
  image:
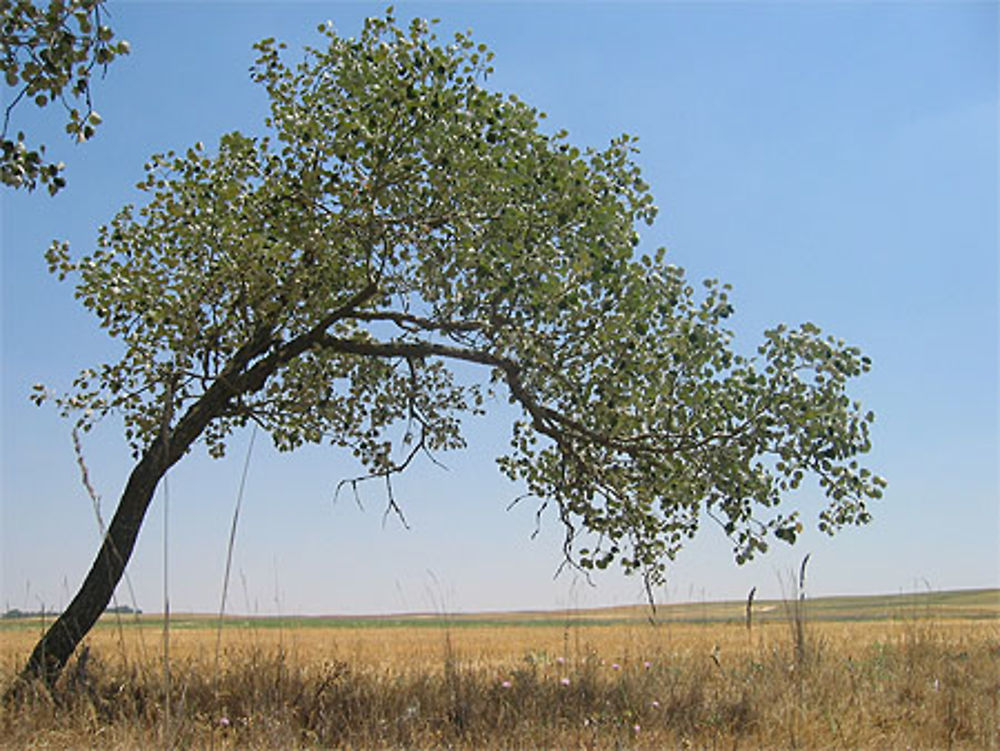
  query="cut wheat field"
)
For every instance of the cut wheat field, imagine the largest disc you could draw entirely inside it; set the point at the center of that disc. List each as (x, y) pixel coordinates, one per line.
(915, 672)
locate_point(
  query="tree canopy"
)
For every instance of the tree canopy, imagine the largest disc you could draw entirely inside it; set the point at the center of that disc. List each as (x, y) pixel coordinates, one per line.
(403, 217)
(399, 228)
(48, 54)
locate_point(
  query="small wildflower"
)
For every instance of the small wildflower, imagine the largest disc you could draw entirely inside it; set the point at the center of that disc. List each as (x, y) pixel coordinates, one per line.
(636, 728)
(615, 666)
(564, 681)
(655, 704)
(561, 660)
(223, 722)
(647, 664)
(505, 684)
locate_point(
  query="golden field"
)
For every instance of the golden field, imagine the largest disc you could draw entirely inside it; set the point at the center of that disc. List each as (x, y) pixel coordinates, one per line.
(918, 679)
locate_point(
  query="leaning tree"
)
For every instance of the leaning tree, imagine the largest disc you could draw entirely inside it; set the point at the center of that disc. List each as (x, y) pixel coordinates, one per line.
(400, 229)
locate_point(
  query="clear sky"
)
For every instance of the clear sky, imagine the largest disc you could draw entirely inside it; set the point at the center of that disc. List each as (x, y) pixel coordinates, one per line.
(835, 162)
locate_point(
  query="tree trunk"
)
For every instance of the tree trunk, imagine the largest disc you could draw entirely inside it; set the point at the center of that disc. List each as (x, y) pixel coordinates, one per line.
(58, 643)
(56, 646)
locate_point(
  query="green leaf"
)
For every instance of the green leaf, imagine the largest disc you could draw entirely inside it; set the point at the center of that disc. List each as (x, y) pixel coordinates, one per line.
(395, 242)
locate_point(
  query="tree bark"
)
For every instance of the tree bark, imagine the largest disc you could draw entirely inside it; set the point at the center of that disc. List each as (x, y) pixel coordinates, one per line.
(240, 376)
(56, 646)
(58, 643)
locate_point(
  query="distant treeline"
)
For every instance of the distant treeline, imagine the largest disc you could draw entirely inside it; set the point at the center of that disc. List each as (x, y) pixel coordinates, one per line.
(15, 613)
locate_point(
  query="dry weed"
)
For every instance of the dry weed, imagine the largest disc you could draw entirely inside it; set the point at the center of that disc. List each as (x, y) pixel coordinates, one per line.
(912, 684)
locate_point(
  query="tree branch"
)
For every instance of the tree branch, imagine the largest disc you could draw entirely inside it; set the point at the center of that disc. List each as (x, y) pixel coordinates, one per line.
(545, 420)
(411, 323)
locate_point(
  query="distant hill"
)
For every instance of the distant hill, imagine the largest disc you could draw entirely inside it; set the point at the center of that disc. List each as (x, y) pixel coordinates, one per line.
(963, 603)
(976, 604)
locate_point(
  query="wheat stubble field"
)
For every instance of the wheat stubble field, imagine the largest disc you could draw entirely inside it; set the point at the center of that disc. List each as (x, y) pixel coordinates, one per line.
(904, 672)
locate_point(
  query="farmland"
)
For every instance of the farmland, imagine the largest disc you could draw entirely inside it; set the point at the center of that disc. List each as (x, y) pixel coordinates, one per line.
(906, 671)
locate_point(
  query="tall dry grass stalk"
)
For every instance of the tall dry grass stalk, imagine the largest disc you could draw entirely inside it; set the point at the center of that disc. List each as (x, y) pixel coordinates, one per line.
(917, 684)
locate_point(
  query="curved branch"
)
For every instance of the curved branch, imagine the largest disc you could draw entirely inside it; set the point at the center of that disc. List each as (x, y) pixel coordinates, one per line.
(545, 420)
(409, 322)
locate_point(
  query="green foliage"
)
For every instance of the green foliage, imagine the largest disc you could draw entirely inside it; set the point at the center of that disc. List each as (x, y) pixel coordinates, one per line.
(48, 55)
(400, 218)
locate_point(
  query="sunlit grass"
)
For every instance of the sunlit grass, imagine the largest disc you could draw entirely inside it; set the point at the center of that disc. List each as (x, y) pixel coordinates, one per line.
(910, 682)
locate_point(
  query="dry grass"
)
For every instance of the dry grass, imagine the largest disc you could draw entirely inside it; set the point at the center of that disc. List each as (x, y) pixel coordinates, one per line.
(911, 683)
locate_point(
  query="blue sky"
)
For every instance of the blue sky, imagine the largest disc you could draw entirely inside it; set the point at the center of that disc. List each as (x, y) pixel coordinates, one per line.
(835, 162)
